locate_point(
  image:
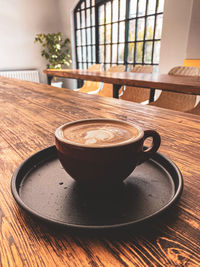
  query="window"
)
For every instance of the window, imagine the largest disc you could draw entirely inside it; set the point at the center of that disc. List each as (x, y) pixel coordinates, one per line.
(114, 32)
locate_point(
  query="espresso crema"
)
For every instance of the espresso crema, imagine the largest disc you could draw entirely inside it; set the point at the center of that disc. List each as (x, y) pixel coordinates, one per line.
(99, 133)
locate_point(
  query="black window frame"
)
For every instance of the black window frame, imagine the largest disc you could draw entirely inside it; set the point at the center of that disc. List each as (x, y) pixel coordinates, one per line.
(94, 7)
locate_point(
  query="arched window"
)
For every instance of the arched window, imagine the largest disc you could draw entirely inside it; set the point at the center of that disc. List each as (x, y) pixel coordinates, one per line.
(114, 32)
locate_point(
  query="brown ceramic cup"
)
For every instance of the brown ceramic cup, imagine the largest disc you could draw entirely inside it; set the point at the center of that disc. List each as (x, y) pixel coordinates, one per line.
(103, 151)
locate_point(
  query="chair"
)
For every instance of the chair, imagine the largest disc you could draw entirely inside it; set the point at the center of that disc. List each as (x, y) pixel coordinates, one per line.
(137, 94)
(91, 86)
(107, 89)
(177, 101)
(195, 110)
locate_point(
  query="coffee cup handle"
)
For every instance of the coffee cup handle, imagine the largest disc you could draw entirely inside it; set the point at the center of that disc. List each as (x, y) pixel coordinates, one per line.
(146, 154)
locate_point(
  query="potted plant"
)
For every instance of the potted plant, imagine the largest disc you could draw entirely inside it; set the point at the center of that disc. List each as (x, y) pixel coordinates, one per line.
(55, 49)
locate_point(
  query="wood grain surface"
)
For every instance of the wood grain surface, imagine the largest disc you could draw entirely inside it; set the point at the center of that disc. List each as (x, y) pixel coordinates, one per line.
(29, 115)
(183, 84)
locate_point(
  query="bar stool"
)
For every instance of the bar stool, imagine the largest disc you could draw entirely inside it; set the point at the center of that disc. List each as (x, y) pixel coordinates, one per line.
(107, 88)
(136, 94)
(91, 86)
(177, 101)
(195, 110)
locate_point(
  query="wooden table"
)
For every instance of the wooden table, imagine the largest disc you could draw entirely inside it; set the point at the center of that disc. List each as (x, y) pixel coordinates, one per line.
(187, 85)
(29, 115)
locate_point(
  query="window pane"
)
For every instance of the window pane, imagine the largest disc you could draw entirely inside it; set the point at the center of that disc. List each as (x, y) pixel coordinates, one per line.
(108, 59)
(115, 10)
(151, 7)
(133, 9)
(142, 7)
(78, 37)
(131, 30)
(80, 65)
(84, 54)
(114, 53)
(101, 53)
(101, 34)
(148, 52)
(155, 69)
(140, 29)
(88, 17)
(93, 2)
(83, 42)
(108, 33)
(122, 32)
(108, 12)
(150, 27)
(139, 52)
(160, 5)
(93, 35)
(159, 27)
(89, 55)
(85, 66)
(122, 9)
(83, 5)
(87, 3)
(93, 54)
(130, 52)
(107, 66)
(115, 33)
(78, 20)
(101, 15)
(93, 16)
(121, 53)
(156, 53)
(79, 54)
(83, 19)
(88, 35)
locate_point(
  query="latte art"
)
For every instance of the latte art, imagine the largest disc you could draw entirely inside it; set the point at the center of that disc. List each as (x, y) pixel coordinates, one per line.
(99, 133)
(102, 135)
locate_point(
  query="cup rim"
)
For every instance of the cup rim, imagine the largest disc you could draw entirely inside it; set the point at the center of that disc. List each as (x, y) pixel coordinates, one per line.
(129, 141)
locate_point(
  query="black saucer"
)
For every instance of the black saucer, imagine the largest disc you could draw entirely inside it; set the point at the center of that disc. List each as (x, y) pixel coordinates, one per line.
(42, 188)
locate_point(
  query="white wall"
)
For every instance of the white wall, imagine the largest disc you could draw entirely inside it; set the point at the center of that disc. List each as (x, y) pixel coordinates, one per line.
(193, 47)
(20, 21)
(176, 25)
(66, 12)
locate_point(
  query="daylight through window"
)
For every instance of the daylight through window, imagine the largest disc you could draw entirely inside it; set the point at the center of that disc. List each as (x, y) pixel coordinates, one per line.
(114, 32)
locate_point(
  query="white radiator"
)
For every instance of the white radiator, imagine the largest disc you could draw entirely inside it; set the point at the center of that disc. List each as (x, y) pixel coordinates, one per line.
(27, 75)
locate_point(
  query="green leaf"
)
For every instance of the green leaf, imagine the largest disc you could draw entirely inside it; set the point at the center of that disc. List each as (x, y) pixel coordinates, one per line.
(56, 50)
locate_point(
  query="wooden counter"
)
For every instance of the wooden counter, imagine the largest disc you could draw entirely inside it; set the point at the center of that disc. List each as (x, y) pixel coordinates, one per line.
(29, 115)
